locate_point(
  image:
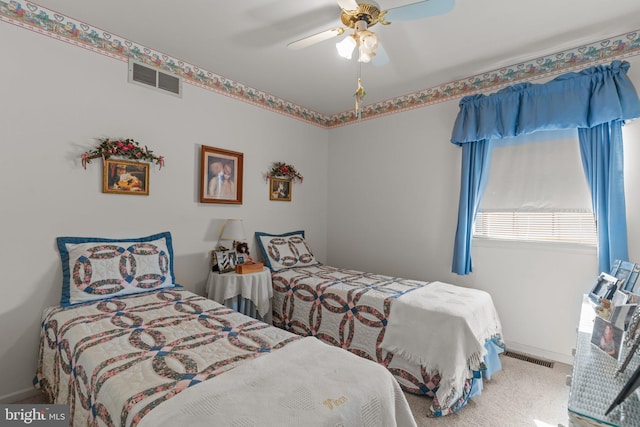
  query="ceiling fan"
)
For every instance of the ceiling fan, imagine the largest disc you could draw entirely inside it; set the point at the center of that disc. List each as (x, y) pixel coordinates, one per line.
(360, 15)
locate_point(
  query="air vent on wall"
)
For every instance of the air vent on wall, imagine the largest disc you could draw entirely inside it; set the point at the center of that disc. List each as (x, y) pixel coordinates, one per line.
(153, 78)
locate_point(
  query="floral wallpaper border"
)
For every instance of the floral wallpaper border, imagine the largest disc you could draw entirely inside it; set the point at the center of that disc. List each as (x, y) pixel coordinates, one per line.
(36, 18)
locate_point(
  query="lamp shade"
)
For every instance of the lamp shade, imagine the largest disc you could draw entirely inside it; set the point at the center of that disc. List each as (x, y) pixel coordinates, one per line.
(367, 45)
(346, 46)
(233, 230)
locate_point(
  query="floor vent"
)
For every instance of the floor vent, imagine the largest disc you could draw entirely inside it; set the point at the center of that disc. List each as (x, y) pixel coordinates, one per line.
(529, 359)
(153, 78)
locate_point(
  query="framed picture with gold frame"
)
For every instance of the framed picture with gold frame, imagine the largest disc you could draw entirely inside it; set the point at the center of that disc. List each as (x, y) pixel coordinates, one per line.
(280, 189)
(125, 177)
(220, 175)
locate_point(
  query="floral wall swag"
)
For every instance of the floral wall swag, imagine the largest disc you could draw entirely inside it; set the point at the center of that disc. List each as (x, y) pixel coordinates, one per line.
(127, 148)
(284, 170)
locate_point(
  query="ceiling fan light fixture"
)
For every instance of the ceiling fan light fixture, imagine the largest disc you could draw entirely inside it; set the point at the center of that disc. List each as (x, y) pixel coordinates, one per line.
(360, 15)
(367, 44)
(368, 40)
(366, 56)
(346, 46)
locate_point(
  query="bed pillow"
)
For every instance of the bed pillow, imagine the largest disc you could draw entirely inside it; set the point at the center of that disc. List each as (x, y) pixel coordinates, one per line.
(287, 250)
(95, 268)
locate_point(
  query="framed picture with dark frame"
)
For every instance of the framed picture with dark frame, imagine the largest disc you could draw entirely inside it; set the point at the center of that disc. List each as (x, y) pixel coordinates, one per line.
(280, 189)
(604, 289)
(220, 175)
(125, 177)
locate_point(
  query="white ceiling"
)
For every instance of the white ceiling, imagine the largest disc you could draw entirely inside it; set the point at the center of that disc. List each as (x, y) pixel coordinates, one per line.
(246, 41)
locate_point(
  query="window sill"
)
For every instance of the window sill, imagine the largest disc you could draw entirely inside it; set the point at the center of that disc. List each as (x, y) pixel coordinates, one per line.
(480, 242)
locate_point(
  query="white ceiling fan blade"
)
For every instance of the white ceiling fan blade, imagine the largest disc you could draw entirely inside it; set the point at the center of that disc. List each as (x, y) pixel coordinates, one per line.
(316, 38)
(381, 58)
(348, 4)
(419, 10)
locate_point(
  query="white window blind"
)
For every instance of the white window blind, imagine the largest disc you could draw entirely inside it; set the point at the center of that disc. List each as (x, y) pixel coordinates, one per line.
(571, 227)
(537, 191)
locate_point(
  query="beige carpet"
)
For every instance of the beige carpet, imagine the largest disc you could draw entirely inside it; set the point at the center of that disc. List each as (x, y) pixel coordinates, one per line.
(522, 394)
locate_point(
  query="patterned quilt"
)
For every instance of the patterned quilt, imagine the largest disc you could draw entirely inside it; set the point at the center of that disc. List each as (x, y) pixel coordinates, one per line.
(114, 361)
(350, 309)
(306, 384)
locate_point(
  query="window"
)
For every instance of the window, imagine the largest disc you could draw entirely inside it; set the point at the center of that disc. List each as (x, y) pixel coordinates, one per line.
(537, 226)
(537, 191)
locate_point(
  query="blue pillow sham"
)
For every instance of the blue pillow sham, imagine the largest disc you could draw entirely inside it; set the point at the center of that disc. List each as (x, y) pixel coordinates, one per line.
(95, 268)
(288, 250)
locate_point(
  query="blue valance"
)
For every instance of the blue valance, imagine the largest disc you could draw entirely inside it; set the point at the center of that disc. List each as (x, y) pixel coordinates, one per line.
(596, 101)
(584, 99)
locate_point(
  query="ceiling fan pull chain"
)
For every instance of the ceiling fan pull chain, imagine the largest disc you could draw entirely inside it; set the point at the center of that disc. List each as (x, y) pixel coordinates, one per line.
(360, 93)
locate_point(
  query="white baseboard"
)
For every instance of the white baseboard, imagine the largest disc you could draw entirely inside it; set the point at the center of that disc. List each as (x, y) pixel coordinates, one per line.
(539, 352)
(19, 395)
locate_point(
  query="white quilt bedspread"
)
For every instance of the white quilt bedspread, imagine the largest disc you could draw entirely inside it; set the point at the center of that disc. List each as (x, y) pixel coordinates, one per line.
(274, 390)
(453, 322)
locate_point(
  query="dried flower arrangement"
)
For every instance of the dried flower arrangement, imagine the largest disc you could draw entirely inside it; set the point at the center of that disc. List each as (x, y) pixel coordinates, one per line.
(127, 148)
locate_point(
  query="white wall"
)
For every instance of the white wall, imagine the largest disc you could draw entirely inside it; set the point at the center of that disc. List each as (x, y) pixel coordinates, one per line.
(394, 187)
(55, 99)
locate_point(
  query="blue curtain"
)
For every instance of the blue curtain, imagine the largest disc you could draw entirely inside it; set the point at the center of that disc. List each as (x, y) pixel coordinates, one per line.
(587, 99)
(602, 159)
(476, 160)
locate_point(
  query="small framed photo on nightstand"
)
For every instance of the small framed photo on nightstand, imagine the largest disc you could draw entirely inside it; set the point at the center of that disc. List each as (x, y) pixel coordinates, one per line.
(226, 261)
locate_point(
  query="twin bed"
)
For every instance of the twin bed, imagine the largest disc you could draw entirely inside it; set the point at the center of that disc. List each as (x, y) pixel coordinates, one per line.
(435, 338)
(171, 358)
(127, 346)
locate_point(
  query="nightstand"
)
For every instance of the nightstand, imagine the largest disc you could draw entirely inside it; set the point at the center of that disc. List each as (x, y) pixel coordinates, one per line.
(248, 293)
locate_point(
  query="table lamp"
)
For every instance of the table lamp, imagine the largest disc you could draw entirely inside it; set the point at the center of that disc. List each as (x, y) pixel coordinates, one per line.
(233, 231)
